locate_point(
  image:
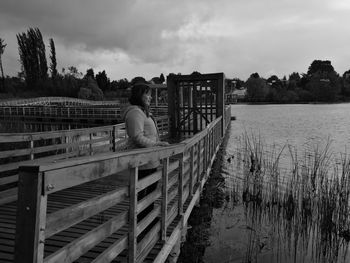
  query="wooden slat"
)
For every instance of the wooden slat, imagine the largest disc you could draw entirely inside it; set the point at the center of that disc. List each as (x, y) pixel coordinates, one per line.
(148, 180)
(8, 179)
(147, 220)
(147, 200)
(148, 242)
(67, 217)
(112, 251)
(8, 195)
(83, 244)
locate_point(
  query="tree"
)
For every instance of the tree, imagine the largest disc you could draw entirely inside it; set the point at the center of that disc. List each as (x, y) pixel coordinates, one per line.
(320, 66)
(53, 64)
(89, 73)
(256, 88)
(102, 81)
(156, 80)
(32, 56)
(324, 89)
(323, 81)
(90, 90)
(138, 80)
(293, 81)
(345, 89)
(2, 49)
(161, 77)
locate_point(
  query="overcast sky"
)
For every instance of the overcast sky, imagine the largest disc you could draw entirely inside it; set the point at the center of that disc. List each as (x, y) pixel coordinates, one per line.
(129, 38)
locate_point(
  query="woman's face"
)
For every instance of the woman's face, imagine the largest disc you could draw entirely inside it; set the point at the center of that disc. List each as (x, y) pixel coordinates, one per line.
(146, 98)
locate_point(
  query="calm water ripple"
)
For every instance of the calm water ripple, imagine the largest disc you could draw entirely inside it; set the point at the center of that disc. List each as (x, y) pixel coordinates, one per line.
(245, 232)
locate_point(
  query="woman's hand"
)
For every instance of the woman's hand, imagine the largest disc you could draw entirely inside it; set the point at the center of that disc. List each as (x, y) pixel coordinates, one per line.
(161, 143)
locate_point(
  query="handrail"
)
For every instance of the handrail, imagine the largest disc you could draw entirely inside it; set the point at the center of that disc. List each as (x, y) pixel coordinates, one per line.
(185, 167)
(22, 148)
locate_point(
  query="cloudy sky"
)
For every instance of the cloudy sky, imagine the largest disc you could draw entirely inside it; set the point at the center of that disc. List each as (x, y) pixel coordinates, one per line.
(129, 38)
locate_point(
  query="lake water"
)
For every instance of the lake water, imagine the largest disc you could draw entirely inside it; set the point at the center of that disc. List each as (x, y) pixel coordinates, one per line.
(243, 232)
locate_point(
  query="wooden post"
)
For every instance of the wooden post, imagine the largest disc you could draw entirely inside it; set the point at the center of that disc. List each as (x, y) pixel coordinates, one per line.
(32, 150)
(180, 191)
(114, 137)
(191, 170)
(31, 216)
(66, 141)
(90, 144)
(171, 86)
(195, 108)
(206, 152)
(220, 98)
(164, 198)
(133, 214)
(199, 162)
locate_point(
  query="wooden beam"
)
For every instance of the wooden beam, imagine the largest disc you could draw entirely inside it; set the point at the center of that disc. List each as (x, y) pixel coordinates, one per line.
(31, 215)
(64, 218)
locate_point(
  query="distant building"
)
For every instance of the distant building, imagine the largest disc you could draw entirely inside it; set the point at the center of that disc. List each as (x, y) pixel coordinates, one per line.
(236, 95)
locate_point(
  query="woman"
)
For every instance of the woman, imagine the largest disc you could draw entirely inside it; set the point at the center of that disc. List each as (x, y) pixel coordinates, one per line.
(142, 132)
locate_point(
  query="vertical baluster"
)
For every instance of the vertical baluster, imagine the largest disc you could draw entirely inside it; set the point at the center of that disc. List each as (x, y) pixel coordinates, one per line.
(164, 198)
(180, 185)
(206, 152)
(198, 161)
(90, 143)
(31, 149)
(114, 138)
(191, 169)
(133, 214)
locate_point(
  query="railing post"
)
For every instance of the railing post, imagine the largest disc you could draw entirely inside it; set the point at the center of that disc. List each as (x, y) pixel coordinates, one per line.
(199, 161)
(114, 137)
(205, 153)
(164, 198)
(90, 144)
(191, 169)
(180, 185)
(31, 216)
(32, 149)
(133, 214)
(66, 141)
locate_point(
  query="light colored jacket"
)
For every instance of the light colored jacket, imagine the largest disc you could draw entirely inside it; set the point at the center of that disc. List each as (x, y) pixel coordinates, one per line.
(142, 131)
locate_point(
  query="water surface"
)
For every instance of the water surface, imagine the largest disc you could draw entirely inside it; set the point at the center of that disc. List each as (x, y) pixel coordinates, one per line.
(244, 232)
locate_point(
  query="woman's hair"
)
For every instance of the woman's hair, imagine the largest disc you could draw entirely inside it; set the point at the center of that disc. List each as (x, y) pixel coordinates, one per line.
(135, 98)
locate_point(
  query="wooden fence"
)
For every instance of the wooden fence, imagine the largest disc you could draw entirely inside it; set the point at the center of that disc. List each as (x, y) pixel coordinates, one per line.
(102, 225)
(91, 112)
(21, 149)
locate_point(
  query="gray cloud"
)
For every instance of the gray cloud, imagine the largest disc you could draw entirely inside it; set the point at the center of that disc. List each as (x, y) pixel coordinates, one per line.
(237, 37)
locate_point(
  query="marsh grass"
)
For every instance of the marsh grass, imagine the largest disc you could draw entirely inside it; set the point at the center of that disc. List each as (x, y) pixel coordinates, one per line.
(306, 202)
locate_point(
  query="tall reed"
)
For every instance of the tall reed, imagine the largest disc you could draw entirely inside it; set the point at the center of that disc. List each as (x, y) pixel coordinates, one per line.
(307, 201)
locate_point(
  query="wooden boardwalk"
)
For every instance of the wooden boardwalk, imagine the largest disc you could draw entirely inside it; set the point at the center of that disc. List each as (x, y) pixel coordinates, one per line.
(73, 208)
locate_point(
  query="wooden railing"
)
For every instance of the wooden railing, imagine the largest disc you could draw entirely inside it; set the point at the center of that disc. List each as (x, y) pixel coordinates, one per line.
(22, 148)
(55, 100)
(91, 112)
(185, 168)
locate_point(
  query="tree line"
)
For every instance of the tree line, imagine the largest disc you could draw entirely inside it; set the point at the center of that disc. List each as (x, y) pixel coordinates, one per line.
(321, 83)
(36, 78)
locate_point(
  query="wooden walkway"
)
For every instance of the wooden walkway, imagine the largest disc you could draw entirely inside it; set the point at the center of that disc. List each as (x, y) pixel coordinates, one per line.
(85, 209)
